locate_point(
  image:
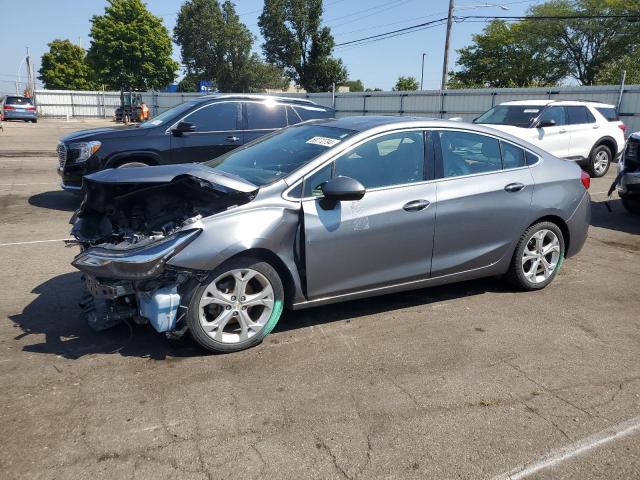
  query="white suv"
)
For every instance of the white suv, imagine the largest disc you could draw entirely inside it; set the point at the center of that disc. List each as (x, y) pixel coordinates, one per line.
(588, 132)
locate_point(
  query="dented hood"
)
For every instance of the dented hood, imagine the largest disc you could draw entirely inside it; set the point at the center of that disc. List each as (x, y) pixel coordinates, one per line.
(167, 173)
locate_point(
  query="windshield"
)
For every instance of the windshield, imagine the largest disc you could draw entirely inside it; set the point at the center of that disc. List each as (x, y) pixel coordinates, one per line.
(168, 115)
(516, 115)
(275, 156)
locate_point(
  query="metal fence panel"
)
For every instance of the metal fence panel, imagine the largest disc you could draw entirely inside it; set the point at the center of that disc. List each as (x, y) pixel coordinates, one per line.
(467, 104)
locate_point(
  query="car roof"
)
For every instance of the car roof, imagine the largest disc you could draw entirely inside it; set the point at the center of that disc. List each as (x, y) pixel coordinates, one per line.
(594, 103)
(253, 96)
(363, 123)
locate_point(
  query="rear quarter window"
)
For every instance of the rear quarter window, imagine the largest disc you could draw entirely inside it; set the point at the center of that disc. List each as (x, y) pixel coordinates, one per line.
(609, 113)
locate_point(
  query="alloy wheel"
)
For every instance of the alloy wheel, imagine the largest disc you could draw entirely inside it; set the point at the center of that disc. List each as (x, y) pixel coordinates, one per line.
(236, 305)
(601, 162)
(540, 256)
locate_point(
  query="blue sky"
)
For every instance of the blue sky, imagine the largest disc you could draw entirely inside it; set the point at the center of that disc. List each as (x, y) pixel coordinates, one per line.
(377, 64)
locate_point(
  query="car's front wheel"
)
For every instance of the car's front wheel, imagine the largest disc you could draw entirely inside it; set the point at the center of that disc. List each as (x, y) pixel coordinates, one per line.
(599, 161)
(237, 306)
(538, 257)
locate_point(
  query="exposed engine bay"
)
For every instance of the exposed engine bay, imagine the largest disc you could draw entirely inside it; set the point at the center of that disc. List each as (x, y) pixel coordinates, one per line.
(128, 215)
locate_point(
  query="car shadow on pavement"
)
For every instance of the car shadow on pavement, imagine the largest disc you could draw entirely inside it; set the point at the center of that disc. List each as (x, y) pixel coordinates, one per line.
(55, 313)
(56, 200)
(617, 219)
(386, 303)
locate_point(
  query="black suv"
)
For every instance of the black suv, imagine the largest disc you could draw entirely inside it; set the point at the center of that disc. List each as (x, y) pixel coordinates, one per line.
(194, 131)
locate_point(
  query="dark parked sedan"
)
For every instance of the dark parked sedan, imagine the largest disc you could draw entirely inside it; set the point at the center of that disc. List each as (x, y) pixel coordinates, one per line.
(323, 212)
(194, 131)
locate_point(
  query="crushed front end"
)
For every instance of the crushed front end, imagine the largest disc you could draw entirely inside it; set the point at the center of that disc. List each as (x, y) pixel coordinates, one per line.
(128, 230)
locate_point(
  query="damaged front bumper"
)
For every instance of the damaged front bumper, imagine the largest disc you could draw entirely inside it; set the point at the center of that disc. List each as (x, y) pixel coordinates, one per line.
(134, 283)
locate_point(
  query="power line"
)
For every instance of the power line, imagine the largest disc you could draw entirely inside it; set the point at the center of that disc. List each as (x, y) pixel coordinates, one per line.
(411, 29)
(405, 30)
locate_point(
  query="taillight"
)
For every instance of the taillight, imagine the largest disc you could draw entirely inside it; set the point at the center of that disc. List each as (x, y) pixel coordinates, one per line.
(622, 127)
(31, 108)
(9, 107)
(585, 179)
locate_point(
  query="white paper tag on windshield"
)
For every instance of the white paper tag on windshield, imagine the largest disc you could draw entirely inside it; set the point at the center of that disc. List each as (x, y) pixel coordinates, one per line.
(155, 122)
(531, 110)
(324, 141)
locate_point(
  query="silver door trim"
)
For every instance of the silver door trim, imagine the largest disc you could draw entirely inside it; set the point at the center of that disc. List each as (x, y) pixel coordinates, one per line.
(381, 290)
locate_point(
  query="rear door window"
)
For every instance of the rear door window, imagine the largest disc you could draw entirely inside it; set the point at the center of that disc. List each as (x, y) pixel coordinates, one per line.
(217, 117)
(465, 153)
(579, 115)
(265, 116)
(311, 113)
(609, 113)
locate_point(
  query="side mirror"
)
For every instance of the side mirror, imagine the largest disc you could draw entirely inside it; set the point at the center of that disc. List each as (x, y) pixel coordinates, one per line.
(340, 189)
(183, 127)
(546, 123)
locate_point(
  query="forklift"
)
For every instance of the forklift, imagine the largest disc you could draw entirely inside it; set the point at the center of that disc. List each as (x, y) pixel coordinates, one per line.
(132, 108)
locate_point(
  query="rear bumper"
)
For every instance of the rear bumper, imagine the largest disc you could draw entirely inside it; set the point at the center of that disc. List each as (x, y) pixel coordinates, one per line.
(578, 225)
(15, 115)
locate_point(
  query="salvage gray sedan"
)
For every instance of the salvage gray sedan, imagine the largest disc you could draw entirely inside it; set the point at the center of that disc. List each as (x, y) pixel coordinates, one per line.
(322, 212)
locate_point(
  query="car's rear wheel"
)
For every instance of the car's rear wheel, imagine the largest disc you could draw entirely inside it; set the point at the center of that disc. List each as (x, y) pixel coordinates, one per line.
(237, 306)
(632, 205)
(599, 161)
(538, 257)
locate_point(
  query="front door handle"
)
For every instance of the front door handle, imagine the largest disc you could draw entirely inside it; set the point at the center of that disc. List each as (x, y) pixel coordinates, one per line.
(416, 205)
(233, 139)
(514, 187)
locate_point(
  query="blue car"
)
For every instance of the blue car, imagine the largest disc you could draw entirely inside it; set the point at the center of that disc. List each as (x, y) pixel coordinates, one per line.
(18, 108)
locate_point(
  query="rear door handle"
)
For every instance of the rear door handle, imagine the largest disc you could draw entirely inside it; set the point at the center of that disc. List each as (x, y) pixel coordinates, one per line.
(563, 130)
(416, 205)
(233, 139)
(514, 187)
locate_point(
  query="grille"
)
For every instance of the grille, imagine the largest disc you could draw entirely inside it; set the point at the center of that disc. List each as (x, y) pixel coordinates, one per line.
(62, 154)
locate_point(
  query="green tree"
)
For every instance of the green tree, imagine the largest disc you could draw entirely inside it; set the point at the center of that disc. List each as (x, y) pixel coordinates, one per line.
(586, 45)
(216, 45)
(406, 83)
(508, 55)
(296, 42)
(130, 47)
(63, 67)
(354, 85)
(266, 76)
(544, 52)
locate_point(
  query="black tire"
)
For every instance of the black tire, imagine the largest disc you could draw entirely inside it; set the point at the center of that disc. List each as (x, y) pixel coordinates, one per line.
(632, 205)
(516, 275)
(34, 121)
(596, 171)
(193, 312)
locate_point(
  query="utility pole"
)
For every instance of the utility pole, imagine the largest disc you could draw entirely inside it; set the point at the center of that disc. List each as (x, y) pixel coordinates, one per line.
(30, 75)
(422, 71)
(445, 63)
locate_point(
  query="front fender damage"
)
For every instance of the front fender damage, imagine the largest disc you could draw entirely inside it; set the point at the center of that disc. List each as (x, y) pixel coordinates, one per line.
(128, 231)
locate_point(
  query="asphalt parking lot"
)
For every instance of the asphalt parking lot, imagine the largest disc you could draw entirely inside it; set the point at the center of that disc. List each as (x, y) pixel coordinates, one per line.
(466, 381)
